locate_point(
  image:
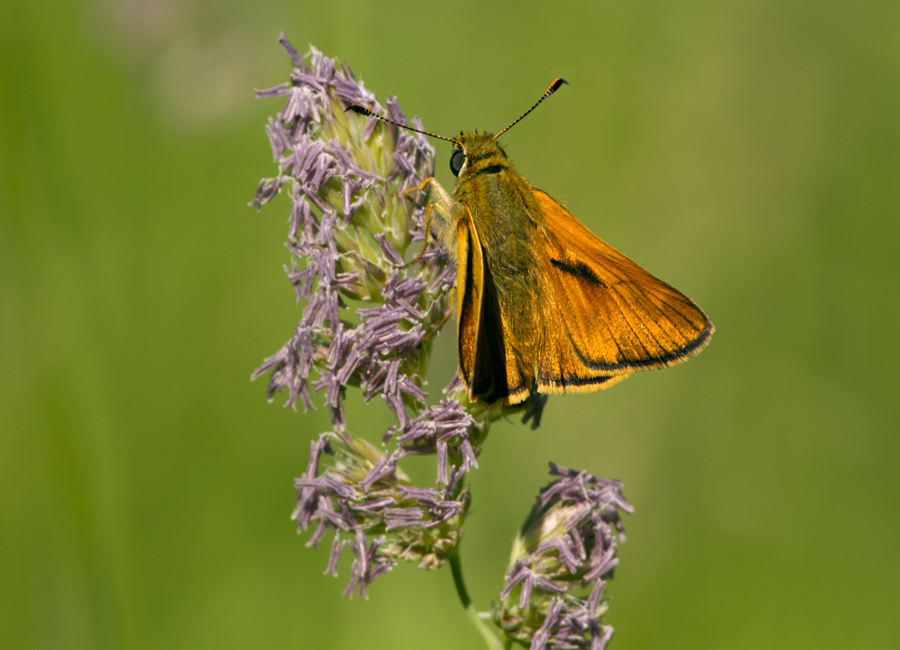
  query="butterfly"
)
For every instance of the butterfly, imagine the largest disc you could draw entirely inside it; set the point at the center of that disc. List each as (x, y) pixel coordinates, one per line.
(544, 306)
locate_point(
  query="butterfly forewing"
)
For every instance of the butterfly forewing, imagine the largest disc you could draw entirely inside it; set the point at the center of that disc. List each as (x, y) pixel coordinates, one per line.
(617, 317)
(487, 366)
(469, 282)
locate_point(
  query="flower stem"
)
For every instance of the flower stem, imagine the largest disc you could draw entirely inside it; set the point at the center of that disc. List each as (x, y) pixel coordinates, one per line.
(492, 641)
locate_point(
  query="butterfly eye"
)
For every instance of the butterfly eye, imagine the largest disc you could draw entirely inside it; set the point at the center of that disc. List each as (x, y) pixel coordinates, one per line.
(457, 160)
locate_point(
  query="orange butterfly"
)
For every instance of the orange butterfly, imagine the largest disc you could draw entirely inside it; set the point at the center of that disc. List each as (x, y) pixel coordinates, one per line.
(544, 306)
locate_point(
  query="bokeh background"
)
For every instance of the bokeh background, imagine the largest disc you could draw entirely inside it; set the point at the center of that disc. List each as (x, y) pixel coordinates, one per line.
(746, 151)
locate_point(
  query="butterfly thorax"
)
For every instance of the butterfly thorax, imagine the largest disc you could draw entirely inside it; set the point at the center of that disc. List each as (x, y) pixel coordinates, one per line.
(489, 181)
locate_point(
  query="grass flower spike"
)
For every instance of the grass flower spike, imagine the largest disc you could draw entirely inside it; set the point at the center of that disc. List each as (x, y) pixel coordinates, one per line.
(567, 545)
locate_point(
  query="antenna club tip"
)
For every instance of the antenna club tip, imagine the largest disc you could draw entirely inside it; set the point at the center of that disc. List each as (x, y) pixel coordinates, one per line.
(356, 108)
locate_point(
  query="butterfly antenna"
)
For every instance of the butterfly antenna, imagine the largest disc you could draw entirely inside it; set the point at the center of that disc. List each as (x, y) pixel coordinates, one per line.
(362, 110)
(552, 89)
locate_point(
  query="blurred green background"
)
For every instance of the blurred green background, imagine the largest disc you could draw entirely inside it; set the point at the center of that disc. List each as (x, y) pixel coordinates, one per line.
(746, 152)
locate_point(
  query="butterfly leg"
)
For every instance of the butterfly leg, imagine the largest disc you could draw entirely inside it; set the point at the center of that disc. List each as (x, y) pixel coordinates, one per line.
(536, 403)
(439, 207)
(442, 193)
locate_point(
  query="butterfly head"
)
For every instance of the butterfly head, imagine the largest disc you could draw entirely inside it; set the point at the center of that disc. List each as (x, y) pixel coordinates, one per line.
(477, 153)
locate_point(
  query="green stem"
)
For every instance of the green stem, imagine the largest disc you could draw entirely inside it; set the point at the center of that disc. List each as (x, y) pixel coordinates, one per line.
(492, 641)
